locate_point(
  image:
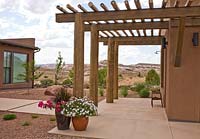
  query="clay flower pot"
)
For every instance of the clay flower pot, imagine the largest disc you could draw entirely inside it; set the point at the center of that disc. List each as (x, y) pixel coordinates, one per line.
(63, 122)
(80, 123)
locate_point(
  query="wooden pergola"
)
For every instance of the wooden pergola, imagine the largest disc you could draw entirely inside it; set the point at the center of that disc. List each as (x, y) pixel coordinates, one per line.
(121, 27)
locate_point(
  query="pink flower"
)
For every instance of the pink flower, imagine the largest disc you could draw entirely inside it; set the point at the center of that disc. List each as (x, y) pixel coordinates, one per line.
(58, 107)
(40, 104)
(63, 102)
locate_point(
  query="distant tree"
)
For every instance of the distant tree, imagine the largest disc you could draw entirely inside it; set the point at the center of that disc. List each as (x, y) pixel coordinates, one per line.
(59, 67)
(152, 78)
(31, 72)
(70, 78)
(71, 74)
(102, 73)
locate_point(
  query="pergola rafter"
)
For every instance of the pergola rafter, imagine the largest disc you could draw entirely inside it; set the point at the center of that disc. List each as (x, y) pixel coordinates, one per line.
(106, 28)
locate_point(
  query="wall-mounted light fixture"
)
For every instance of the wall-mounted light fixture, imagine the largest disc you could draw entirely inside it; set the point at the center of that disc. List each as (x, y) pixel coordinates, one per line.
(164, 43)
(195, 39)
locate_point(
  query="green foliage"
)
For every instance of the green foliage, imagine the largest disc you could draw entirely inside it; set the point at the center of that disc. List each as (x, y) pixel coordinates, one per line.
(9, 117)
(102, 73)
(46, 76)
(124, 91)
(26, 123)
(67, 82)
(144, 93)
(101, 91)
(71, 74)
(120, 77)
(34, 116)
(31, 72)
(52, 119)
(62, 96)
(46, 82)
(152, 78)
(59, 67)
(138, 86)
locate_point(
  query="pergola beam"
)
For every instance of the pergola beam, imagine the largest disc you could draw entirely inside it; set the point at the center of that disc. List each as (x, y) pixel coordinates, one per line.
(129, 14)
(133, 40)
(130, 26)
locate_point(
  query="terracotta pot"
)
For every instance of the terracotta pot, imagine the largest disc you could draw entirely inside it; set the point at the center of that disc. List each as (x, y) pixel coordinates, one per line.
(80, 123)
(63, 122)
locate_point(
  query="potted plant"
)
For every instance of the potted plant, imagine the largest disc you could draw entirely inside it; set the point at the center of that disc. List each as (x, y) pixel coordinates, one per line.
(80, 109)
(57, 103)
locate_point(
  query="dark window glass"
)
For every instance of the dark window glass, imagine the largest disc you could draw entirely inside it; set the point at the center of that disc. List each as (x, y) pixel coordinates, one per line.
(7, 68)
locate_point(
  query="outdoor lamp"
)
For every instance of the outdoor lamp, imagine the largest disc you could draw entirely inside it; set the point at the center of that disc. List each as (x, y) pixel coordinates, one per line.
(195, 39)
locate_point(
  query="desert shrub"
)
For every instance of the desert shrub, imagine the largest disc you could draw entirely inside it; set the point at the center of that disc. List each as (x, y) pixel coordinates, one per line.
(120, 77)
(45, 76)
(26, 123)
(46, 82)
(144, 93)
(67, 82)
(101, 91)
(152, 78)
(124, 91)
(52, 119)
(102, 73)
(33, 116)
(9, 117)
(138, 87)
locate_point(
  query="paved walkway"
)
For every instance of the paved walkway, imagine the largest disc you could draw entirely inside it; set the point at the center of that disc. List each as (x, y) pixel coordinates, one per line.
(125, 119)
(22, 105)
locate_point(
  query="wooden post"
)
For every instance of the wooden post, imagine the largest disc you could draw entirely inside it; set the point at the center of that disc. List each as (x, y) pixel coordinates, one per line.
(94, 64)
(78, 56)
(110, 72)
(115, 87)
(179, 46)
(162, 67)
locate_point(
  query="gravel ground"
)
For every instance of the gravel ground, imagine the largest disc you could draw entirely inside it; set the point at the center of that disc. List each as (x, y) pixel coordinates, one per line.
(37, 129)
(31, 94)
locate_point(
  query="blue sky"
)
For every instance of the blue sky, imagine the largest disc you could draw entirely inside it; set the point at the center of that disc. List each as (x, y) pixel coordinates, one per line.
(36, 19)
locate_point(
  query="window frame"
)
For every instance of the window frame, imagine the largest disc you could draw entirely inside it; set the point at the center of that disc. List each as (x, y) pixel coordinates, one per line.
(12, 65)
(10, 68)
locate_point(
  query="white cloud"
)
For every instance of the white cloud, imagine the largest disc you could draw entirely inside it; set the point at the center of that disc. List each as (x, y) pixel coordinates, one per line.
(36, 18)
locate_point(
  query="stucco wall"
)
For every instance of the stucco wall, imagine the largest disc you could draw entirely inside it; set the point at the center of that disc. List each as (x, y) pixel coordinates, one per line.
(13, 49)
(183, 83)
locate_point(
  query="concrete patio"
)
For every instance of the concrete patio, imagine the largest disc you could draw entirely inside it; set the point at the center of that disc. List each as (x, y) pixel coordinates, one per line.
(127, 118)
(133, 119)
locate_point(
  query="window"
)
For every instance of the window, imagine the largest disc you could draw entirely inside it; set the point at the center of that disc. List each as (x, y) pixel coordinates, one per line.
(13, 66)
(7, 68)
(18, 66)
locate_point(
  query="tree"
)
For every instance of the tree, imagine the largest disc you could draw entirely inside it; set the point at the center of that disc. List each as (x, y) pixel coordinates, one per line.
(102, 73)
(31, 72)
(152, 78)
(59, 67)
(70, 78)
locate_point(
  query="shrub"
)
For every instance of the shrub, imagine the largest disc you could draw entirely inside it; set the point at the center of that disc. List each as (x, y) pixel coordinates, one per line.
(152, 78)
(144, 93)
(102, 73)
(46, 82)
(67, 82)
(9, 117)
(101, 91)
(138, 87)
(34, 116)
(52, 119)
(45, 76)
(124, 91)
(26, 123)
